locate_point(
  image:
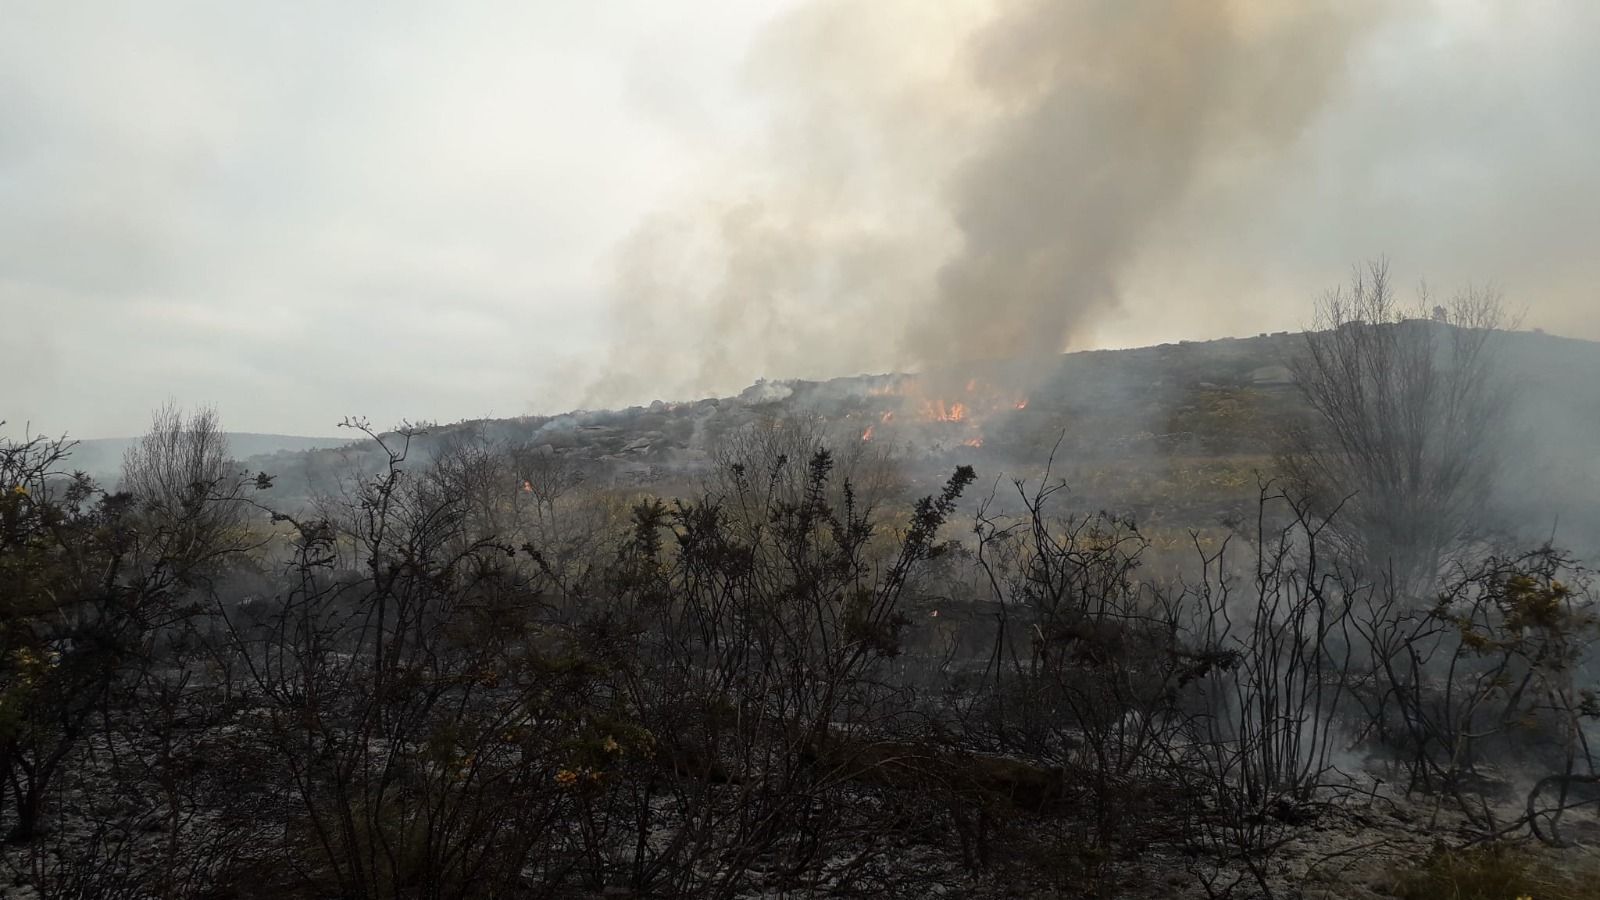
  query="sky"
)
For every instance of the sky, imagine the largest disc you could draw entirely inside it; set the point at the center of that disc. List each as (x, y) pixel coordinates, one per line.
(301, 211)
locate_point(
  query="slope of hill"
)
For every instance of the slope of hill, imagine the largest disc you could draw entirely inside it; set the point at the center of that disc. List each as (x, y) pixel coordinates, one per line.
(102, 457)
(1175, 434)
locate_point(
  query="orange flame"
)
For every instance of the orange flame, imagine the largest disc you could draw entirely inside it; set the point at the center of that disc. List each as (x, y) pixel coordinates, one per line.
(937, 411)
(867, 435)
(972, 442)
(978, 401)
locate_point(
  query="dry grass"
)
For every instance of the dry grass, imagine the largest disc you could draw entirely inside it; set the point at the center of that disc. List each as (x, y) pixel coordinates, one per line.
(1496, 872)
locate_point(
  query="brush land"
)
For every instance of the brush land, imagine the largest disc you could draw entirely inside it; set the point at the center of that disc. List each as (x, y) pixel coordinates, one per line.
(1068, 627)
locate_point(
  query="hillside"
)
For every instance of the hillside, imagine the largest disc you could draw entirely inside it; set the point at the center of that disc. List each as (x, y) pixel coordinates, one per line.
(1174, 434)
(102, 457)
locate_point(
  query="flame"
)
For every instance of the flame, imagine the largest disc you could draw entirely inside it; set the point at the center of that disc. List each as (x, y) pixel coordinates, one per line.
(527, 487)
(961, 409)
(937, 411)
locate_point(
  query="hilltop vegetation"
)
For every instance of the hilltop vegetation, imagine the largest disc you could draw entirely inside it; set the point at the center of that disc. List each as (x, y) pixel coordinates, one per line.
(1173, 435)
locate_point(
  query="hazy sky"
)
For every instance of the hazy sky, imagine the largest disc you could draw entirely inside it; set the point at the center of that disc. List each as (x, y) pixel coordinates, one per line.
(298, 211)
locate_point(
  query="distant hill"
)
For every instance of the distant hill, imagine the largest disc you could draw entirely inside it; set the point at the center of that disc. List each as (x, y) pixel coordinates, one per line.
(102, 457)
(1175, 434)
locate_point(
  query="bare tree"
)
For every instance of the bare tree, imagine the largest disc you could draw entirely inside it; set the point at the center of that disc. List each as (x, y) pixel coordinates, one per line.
(1407, 404)
(188, 486)
(179, 452)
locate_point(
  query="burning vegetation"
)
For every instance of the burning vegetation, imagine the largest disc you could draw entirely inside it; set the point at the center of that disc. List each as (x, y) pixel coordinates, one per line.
(721, 648)
(935, 411)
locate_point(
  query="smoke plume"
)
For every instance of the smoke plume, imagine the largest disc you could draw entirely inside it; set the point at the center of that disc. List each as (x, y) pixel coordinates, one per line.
(948, 182)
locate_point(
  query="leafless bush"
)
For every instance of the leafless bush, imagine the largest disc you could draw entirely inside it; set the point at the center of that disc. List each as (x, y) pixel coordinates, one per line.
(1407, 405)
(415, 696)
(93, 585)
(762, 676)
(1275, 647)
(1086, 659)
(1491, 671)
(181, 476)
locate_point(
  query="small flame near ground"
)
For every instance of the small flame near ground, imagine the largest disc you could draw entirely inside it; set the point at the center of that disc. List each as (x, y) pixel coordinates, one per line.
(968, 405)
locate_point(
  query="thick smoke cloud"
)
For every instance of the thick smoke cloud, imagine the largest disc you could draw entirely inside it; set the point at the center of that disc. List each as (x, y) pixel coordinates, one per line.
(948, 181)
(1110, 110)
(961, 185)
(299, 211)
(799, 251)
